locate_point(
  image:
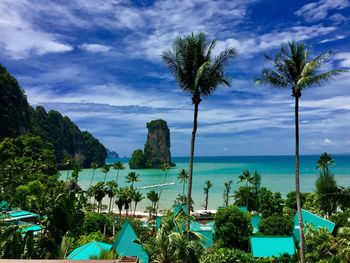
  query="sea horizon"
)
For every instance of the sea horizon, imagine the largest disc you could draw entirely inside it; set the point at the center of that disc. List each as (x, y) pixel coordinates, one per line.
(277, 172)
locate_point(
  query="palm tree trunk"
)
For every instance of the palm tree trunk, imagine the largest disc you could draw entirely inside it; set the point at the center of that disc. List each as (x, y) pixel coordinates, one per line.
(67, 175)
(134, 209)
(297, 181)
(183, 189)
(206, 200)
(116, 180)
(93, 175)
(161, 189)
(190, 172)
(104, 180)
(110, 204)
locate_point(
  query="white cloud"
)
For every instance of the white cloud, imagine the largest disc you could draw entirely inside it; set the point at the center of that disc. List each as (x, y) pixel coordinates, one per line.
(274, 39)
(337, 37)
(95, 48)
(316, 11)
(20, 39)
(327, 141)
(344, 58)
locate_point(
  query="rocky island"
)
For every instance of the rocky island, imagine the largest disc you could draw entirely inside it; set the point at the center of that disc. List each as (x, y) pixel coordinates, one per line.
(157, 148)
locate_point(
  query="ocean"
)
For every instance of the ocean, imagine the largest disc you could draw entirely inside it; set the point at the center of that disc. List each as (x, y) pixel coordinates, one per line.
(277, 174)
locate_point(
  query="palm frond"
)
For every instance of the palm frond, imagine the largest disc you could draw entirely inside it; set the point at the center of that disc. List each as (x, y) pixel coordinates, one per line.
(320, 79)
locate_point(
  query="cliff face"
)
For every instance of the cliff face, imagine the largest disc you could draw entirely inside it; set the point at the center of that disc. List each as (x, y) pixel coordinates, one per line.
(17, 117)
(157, 147)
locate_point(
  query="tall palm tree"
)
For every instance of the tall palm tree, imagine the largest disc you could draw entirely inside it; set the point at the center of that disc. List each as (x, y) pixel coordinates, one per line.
(183, 177)
(199, 73)
(118, 166)
(206, 189)
(105, 169)
(137, 198)
(93, 166)
(165, 167)
(132, 178)
(293, 69)
(111, 191)
(227, 191)
(324, 162)
(245, 177)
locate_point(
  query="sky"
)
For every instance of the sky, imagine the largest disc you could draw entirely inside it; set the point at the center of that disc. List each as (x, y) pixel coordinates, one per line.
(99, 63)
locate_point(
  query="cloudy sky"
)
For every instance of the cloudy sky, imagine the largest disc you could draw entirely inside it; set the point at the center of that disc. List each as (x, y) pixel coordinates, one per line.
(98, 62)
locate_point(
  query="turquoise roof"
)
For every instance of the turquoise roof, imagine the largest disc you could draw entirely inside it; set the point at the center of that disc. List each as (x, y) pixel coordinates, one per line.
(314, 220)
(244, 209)
(272, 246)
(158, 222)
(178, 208)
(84, 252)
(124, 245)
(33, 228)
(211, 224)
(255, 221)
(20, 214)
(207, 235)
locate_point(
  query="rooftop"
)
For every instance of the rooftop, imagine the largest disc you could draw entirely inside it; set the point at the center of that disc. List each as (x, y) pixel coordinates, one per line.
(269, 246)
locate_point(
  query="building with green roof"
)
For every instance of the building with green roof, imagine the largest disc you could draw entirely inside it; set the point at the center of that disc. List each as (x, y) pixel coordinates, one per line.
(178, 208)
(16, 215)
(271, 246)
(124, 245)
(312, 219)
(85, 252)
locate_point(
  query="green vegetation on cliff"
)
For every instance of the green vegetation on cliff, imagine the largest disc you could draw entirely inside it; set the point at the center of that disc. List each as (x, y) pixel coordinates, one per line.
(17, 117)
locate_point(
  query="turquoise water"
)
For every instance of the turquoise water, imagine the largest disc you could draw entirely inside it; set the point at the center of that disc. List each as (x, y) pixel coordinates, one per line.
(277, 174)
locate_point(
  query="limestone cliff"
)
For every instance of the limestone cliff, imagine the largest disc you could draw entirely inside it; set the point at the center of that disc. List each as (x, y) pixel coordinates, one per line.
(157, 147)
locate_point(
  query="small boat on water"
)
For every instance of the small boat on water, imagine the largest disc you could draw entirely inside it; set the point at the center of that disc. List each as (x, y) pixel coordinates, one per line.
(154, 185)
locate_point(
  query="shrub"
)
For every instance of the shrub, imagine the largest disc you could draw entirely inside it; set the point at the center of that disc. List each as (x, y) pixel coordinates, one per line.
(95, 222)
(227, 255)
(291, 200)
(276, 225)
(270, 203)
(232, 228)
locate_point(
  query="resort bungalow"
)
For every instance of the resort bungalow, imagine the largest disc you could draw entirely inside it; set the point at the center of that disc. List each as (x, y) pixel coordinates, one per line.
(312, 219)
(271, 246)
(125, 244)
(19, 215)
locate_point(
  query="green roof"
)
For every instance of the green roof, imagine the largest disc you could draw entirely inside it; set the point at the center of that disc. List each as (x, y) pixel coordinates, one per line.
(158, 222)
(34, 228)
(271, 246)
(207, 235)
(314, 220)
(244, 209)
(255, 221)
(124, 245)
(84, 252)
(178, 208)
(20, 214)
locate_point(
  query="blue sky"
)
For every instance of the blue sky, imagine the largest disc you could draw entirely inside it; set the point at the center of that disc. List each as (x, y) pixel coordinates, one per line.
(98, 62)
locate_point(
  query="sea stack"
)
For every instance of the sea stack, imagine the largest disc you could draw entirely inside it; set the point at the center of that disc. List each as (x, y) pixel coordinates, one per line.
(157, 147)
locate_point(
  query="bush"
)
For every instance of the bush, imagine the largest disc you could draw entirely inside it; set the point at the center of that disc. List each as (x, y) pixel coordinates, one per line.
(291, 200)
(227, 255)
(232, 228)
(276, 225)
(341, 219)
(270, 203)
(95, 222)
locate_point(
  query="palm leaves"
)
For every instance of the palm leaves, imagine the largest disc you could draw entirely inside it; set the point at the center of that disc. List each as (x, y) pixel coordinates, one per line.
(197, 72)
(206, 189)
(324, 162)
(118, 166)
(183, 177)
(245, 177)
(111, 191)
(227, 191)
(105, 169)
(132, 178)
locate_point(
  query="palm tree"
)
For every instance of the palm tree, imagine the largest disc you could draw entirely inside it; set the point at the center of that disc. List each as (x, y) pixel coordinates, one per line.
(137, 198)
(118, 166)
(206, 188)
(183, 177)
(292, 68)
(105, 169)
(111, 191)
(245, 177)
(154, 198)
(256, 181)
(199, 73)
(324, 162)
(227, 191)
(99, 194)
(132, 178)
(94, 166)
(165, 167)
